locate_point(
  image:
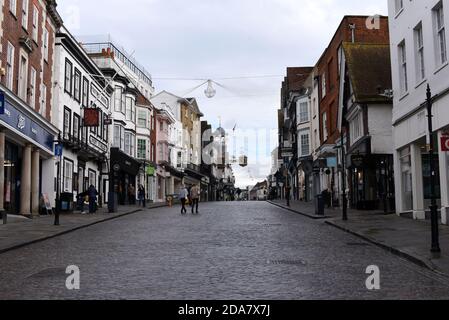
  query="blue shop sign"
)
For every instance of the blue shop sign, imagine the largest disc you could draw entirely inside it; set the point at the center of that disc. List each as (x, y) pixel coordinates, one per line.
(2, 102)
(22, 123)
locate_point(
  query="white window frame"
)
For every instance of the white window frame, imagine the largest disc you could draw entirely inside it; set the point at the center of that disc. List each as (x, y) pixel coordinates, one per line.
(23, 77)
(325, 130)
(68, 176)
(35, 23)
(46, 43)
(403, 74)
(323, 85)
(43, 106)
(398, 6)
(440, 34)
(419, 52)
(25, 9)
(143, 113)
(356, 127)
(139, 153)
(304, 135)
(303, 112)
(13, 7)
(33, 77)
(11, 51)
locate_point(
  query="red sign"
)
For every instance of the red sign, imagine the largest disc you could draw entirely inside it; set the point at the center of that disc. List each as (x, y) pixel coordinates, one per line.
(91, 117)
(445, 143)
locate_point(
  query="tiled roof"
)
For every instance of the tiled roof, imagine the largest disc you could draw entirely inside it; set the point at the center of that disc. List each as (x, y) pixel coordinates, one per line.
(369, 69)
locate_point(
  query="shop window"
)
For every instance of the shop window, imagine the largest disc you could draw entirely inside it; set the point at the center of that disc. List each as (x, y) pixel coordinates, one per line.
(92, 178)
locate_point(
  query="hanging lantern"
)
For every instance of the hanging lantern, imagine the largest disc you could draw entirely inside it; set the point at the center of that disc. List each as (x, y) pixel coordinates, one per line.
(210, 91)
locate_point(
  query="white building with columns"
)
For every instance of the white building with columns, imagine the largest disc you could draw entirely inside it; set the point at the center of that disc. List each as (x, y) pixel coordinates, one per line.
(419, 55)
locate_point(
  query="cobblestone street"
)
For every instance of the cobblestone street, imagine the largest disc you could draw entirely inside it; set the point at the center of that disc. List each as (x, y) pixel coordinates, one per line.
(232, 250)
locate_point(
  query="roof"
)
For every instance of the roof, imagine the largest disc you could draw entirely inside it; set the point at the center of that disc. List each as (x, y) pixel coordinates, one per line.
(369, 70)
(296, 76)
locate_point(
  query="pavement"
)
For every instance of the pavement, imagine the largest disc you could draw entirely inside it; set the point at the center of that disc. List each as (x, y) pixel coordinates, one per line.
(405, 237)
(21, 231)
(230, 251)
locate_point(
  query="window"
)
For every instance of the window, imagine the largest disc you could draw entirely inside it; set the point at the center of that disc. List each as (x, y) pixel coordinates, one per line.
(23, 78)
(141, 148)
(399, 5)
(43, 109)
(45, 40)
(35, 23)
(403, 67)
(440, 34)
(303, 112)
(67, 122)
(325, 132)
(105, 128)
(142, 119)
(116, 142)
(129, 144)
(356, 128)
(68, 176)
(77, 86)
(129, 108)
(32, 100)
(25, 14)
(323, 85)
(10, 66)
(68, 77)
(304, 138)
(92, 178)
(76, 126)
(419, 48)
(118, 96)
(85, 93)
(405, 160)
(13, 7)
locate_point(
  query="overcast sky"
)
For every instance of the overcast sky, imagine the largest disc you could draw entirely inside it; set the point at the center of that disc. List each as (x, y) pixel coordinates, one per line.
(215, 39)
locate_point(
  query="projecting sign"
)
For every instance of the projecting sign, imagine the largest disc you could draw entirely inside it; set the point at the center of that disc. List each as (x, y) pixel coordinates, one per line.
(445, 143)
(91, 117)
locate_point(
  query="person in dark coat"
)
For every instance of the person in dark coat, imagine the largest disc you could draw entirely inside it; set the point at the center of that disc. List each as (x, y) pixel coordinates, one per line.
(92, 192)
(141, 195)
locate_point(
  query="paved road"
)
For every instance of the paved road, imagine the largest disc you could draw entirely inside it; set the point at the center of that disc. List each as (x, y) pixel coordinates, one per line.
(229, 251)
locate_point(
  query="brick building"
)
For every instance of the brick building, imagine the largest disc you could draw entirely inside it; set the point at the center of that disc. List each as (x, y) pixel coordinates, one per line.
(27, 124)
(357, 29)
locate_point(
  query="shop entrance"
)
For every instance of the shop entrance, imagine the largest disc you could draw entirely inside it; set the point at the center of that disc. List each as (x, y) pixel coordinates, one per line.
(12, 178)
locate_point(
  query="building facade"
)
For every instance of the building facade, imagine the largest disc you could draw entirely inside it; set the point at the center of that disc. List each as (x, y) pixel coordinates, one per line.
(28, 127)
(419, 58)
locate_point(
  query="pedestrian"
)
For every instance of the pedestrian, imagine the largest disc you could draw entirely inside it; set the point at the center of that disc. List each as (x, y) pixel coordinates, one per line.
(195, 196)
(183, 194)
(92, 193)
(141, 195)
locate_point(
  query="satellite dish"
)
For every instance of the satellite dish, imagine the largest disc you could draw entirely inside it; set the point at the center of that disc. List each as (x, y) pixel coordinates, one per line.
(210, 92)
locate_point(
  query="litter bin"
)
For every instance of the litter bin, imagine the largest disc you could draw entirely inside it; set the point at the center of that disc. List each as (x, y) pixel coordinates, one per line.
(319, 205)
(66, 202)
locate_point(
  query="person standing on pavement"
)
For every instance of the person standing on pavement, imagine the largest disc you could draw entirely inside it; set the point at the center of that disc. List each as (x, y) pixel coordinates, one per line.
(141, 195)
(92, 193)
(183, 194)
(195, 196)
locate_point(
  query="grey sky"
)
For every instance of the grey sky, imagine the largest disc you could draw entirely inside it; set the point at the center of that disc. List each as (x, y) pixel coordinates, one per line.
(219, 39)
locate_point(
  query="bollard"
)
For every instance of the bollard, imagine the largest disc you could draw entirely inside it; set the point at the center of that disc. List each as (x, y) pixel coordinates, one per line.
(4, 215)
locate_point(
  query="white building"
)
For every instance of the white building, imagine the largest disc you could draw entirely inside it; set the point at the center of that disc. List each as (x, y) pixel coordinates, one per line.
(79, 84)
(419, 58)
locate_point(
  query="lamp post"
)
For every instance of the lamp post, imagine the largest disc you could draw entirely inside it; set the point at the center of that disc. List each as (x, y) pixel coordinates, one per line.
(343, 178)
(433, 207)
(58, 187)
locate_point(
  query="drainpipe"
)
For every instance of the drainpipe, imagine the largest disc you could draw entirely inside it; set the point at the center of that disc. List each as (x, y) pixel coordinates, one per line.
(352, 28)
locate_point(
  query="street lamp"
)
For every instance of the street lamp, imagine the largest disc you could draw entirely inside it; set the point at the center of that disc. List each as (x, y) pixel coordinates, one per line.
(58, 153)
(433, 207)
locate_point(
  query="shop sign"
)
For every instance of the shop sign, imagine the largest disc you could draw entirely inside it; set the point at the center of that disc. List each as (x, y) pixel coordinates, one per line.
(58, 150)
(445, 143)
(2, 103)
(151, 170)
(357, 161)
(97, 143)
(91, 117)
(332, 162)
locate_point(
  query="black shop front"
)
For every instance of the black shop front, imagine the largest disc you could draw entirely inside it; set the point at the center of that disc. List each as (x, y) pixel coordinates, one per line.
(124, 170)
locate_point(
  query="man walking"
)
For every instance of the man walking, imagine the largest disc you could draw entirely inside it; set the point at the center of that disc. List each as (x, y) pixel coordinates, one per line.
(183, 193)
(92, 193)
(195, 196)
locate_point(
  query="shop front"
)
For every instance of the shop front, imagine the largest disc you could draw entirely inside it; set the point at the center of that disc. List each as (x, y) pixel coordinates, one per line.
(124, 171)
(26, 158)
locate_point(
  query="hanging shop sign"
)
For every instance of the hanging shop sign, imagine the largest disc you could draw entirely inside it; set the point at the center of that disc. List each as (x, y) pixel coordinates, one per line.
(445, 143)
(91, 117)
(357, 160)
(151, 170)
